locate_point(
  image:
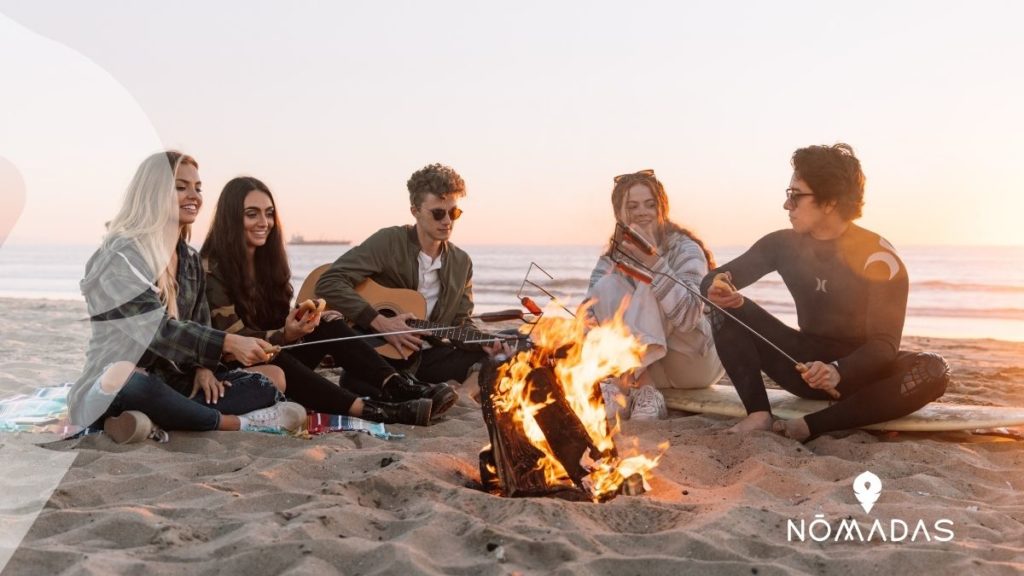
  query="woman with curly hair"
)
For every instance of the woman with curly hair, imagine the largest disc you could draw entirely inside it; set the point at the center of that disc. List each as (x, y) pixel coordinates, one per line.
(250, 292)
(667, 318)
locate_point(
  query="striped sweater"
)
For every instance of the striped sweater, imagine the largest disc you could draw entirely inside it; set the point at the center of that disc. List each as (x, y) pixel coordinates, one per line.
(684, 259)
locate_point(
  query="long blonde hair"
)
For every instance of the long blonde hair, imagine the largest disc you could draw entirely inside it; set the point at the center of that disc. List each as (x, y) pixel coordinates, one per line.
(150, 206)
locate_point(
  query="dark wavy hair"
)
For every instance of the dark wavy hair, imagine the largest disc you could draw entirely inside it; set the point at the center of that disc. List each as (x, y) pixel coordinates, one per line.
(436, 179)
(646, 177)
(263, 300)
(834, 175)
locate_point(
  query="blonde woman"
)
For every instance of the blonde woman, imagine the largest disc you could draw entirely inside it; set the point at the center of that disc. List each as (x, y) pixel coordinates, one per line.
(153, 358)
(664, 316)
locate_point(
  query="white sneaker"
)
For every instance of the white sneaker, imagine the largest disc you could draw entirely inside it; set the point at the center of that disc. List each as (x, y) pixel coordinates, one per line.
(281, 417)
(614, 400)
(647, 403)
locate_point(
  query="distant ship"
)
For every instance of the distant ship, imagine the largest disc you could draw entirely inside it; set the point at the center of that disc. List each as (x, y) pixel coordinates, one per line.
(299, 240)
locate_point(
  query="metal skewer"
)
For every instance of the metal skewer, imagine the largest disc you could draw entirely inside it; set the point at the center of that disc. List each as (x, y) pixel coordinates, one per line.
(528, 302)
(644, 274)
(364, 336)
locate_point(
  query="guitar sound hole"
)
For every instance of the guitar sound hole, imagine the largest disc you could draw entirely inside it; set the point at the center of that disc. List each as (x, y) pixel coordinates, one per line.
(387, 312)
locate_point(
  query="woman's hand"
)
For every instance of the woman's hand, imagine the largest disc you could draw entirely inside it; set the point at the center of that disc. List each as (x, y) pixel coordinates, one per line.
(299, 323)
(632, 250)
(207, 382)
(246, 350)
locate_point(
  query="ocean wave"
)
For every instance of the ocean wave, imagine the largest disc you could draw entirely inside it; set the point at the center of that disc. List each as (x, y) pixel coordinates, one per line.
(571, 284)
(965, 287)
(993, 313)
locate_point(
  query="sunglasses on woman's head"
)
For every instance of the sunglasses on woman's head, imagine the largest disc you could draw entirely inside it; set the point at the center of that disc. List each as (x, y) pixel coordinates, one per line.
(647, 172)
(438, 213)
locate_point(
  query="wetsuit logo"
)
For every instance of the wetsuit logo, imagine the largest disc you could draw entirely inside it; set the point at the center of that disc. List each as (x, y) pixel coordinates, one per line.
(867, 487)
(821, 285)
(886, 257)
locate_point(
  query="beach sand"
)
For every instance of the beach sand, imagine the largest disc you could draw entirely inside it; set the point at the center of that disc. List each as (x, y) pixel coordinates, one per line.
(244, 503)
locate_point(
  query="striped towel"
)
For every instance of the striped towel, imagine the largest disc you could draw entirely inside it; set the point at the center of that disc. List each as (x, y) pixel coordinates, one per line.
(45, 410)
(320, 423)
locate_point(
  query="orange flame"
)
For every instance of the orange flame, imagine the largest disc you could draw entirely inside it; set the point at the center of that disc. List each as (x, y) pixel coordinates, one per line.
(591, 353)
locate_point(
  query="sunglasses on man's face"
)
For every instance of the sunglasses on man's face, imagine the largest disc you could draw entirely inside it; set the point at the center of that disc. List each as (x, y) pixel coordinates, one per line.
(439, 213)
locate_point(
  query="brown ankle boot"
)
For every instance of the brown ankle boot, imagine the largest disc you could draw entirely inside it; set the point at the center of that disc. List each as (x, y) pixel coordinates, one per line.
(128, 427)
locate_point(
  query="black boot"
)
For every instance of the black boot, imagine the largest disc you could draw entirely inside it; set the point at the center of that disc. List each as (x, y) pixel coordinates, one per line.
(415, 412)
(402, 387)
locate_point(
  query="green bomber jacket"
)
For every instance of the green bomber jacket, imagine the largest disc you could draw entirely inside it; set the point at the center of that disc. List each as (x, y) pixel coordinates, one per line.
(390, 258)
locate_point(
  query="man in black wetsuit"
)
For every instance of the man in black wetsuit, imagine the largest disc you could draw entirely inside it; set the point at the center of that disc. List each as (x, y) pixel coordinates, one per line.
(850, 290)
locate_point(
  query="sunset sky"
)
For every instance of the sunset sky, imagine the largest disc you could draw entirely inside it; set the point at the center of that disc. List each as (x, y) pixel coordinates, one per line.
(334, 105)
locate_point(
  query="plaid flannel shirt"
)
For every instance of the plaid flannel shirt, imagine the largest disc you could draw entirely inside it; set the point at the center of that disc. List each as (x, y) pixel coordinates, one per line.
(129, 323)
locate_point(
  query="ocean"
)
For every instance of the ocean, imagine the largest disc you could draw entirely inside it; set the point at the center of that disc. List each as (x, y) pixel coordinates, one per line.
(955, 292)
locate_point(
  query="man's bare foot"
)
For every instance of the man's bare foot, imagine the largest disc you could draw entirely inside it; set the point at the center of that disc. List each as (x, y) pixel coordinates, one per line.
(754, 421)
(796, 429)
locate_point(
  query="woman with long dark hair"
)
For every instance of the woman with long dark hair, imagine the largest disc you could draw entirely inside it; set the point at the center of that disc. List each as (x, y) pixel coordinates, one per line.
(153, 357)
(665, 316)
(250, 292)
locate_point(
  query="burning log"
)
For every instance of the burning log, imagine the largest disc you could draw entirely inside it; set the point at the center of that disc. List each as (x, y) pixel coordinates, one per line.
(566, 435)
(513, 457)
(510, 464)
(546, 418)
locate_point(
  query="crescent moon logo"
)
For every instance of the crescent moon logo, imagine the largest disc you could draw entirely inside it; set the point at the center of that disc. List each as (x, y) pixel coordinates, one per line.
(886, 258)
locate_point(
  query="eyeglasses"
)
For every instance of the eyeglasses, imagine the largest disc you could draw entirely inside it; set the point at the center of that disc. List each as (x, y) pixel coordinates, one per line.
(647, 172)
(439, 213)
(793, 195)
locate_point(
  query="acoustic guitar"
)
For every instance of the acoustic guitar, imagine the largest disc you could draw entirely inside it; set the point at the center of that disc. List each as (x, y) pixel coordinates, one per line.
(390, 302)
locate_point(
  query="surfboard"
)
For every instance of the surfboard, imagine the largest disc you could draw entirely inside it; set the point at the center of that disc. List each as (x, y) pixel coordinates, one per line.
(935, 417)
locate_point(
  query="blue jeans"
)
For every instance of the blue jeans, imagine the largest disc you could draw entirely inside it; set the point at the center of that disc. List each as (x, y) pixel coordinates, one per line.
(171, 410)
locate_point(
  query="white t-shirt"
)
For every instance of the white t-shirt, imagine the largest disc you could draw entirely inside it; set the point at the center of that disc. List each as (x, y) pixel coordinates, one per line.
(430, 280)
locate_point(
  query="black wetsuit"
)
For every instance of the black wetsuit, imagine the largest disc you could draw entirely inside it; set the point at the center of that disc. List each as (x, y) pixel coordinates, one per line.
(851, 300)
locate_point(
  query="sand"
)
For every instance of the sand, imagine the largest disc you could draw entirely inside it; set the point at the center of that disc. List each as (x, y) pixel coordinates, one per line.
(242, 503)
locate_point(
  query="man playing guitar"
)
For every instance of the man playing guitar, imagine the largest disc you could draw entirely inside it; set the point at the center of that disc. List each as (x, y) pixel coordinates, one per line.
(418, 257)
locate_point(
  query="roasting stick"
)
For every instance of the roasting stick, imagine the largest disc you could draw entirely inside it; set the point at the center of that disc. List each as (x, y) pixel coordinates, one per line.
(277, 349)
(644, 274)
(486, 317)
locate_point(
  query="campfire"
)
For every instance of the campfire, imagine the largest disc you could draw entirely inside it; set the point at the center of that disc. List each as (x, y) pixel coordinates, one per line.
(546, 417)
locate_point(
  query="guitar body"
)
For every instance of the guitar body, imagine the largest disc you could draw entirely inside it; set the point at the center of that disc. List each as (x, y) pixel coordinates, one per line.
(390, 302)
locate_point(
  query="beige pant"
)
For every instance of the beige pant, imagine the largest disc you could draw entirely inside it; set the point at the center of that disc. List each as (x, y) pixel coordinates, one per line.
(673, 359)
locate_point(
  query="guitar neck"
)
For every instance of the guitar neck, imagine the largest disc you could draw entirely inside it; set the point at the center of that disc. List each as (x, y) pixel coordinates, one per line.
(457, 335)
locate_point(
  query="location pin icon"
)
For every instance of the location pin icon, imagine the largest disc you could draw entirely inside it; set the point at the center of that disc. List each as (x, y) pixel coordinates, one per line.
(12, 197)
(867, 487)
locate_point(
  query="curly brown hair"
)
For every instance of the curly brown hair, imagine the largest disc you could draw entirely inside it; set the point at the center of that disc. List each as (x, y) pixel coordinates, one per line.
(834, 175)
(436, 179)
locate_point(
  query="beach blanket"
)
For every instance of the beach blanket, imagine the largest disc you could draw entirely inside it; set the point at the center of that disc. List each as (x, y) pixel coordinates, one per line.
(46, 410)
(320, 423)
